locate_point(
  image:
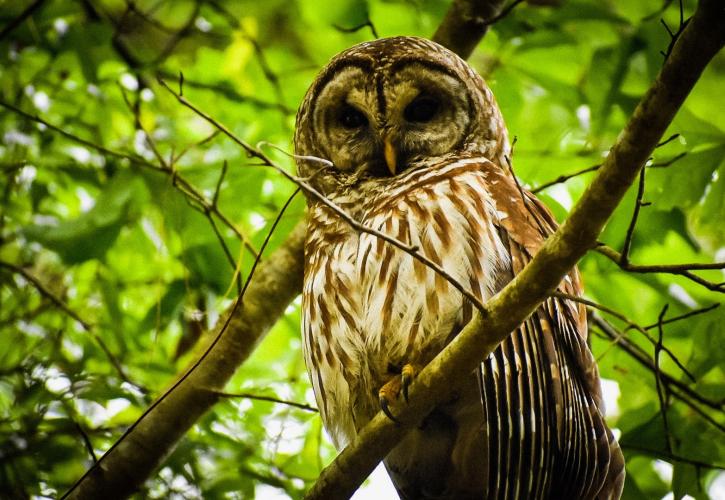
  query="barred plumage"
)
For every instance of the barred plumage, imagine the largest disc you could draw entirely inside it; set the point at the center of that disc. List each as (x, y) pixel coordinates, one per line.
(529, 423)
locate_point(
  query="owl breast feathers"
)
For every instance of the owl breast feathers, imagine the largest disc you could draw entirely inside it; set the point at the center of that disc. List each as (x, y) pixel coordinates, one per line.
(418, 151)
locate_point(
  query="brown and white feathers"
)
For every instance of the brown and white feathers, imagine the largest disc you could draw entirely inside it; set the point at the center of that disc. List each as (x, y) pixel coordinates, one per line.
(418, 148)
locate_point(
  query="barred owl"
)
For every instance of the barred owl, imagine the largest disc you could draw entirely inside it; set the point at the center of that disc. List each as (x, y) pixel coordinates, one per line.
(416, 148)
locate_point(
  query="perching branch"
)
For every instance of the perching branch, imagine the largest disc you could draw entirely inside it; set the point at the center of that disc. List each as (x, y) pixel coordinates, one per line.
(703, 37)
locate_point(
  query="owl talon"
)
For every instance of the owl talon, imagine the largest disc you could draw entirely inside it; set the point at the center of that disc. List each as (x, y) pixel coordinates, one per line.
(406, 378)
(388, 393)
(384, 406)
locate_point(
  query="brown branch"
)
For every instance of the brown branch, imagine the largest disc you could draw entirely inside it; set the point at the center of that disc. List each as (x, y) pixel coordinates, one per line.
(694, 48)
(271, 399)
(465, 23)
(132, 458)
(679, 269)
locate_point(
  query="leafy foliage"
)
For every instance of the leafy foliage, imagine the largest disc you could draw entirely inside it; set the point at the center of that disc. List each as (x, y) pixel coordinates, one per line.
(125, 219)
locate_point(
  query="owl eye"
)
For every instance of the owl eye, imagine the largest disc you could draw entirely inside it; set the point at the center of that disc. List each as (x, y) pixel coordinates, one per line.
(352, 118)
(421, 109)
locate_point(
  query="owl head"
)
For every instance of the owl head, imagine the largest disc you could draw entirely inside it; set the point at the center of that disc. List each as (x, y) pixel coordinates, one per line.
(384, 107)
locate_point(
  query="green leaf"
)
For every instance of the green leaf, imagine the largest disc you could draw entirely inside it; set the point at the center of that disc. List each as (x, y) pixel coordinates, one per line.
(91, 234)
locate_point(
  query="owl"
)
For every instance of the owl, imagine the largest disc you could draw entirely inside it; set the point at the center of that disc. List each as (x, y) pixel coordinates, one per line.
(407, 139)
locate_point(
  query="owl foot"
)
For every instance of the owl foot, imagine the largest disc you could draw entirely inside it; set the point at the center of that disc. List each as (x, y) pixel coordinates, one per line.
(391, 390)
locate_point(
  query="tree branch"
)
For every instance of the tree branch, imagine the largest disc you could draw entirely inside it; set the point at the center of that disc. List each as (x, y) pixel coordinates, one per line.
(466, 22)
(26, 13)
(126, 466)
(679, 269)
(703, 37)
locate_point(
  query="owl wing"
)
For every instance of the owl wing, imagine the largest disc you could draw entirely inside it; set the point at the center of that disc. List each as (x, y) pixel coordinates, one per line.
(564, 447)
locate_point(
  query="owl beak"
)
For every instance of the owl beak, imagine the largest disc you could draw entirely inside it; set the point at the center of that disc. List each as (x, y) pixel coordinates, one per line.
(391, 157)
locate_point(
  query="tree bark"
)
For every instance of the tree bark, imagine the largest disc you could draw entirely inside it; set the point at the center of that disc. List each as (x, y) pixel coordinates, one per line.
(465, 23)
(703, 37)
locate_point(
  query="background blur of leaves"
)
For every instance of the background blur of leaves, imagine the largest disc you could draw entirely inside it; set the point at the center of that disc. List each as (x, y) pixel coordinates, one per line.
(132, 253)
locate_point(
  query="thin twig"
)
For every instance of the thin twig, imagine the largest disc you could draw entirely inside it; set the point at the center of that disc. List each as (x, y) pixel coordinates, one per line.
(267, 71)
(624, 258)
(668, 140)
(219, 182)
(671, 457)
(367, 24)
(683, 316)
(87, 327)
(256, 153)
(524, 199)
(641, 356)
(227, 91)
(564, 178)
(178, 181)
(26, 13)
(674, 36)
(661, 388)
(505, 12)
(235, 307)
(679, 269)
(630, 325)
(271, 399)
(206, 208)
(86, 441)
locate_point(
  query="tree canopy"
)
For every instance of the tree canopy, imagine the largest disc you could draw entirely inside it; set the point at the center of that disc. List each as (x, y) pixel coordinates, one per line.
(130, 224)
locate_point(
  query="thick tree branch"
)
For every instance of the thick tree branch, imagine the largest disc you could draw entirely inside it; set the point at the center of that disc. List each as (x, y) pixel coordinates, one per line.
(125, 467)
(465, 24)
(703, 37)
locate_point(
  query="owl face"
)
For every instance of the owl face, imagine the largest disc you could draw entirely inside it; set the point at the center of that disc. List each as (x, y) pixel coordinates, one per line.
(384, 107)
(382, 123)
